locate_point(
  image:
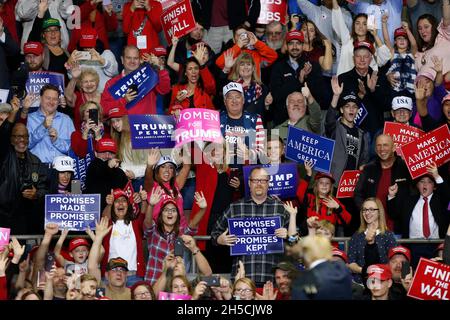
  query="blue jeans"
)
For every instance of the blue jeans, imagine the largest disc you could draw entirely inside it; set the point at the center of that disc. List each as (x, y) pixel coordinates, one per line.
(188, 193)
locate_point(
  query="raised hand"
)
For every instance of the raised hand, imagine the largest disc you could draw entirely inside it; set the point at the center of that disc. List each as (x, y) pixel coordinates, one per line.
(101, 228)
(433, 170)
(143, 193)
(281, 233)
(51, 229)
(313, 222)
(229, 60)
(308, 168)
(110, 198)
(240, 271)
(200, 200)
(156, 195)
(306, 92)
(153, 157)
(372, 81)
(289, 207)
(337, 89)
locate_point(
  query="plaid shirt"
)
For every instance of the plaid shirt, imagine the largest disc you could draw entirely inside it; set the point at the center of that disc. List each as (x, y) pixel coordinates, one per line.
(159, 247)
(257, 267)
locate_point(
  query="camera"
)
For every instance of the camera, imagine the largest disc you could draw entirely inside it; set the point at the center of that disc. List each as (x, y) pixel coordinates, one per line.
(19, 92)
(93, 115)
(50, 261)
(26, 186)
(211, 281)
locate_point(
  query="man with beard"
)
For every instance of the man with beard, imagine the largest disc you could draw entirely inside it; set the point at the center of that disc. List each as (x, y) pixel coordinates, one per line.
(258, 267)
(275, 35)
(23, 181)
(290, 73)
(34, 60)
(400, 286)
(147, 105)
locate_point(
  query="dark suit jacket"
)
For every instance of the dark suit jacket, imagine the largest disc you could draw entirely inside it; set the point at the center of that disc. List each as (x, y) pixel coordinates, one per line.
(401, 208)
(332, 280)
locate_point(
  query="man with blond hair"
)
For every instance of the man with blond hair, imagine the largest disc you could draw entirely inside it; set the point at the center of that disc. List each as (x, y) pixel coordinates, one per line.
(324, 279)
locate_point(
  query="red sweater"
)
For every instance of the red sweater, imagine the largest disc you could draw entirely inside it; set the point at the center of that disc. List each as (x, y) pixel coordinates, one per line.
(133, 20)
(9, 19)
(146, 106)
(103, 24)
(262, 53)
(138, 228)
(309, 200)
(79, 145)
(3, 289)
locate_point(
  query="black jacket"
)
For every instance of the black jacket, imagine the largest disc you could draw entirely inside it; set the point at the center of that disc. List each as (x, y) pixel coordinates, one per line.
(101, 179)
(23, 216)
(8, 49)
(375, 102)
(401, 209)
(284, 80)
(239, 11)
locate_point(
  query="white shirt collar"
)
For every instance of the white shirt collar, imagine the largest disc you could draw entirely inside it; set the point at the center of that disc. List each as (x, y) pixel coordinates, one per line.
(316, 263)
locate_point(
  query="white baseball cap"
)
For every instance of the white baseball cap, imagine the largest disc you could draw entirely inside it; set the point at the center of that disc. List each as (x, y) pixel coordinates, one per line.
(63, 163)
(402, 102)
(232, 86)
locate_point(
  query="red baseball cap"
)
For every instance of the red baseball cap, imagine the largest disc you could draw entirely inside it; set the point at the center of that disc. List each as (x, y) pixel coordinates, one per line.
(33, 47)
(88, 38)
(400, 250)
(400, 32)
(77, 242)
(116, 112)
(363, 45)
(295, 35)
(379, 271)
(105, 144)
(440, 247)
(324, 175)
(117, 193)
(339, 253)
(159, 51)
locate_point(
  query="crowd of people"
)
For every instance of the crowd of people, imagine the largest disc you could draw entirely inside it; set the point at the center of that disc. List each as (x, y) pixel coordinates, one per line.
(331, 61)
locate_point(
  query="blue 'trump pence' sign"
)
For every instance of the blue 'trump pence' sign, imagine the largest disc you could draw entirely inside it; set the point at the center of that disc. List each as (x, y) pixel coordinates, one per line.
(72, 211)
(151, 131)
(306, 146)
(255, 236)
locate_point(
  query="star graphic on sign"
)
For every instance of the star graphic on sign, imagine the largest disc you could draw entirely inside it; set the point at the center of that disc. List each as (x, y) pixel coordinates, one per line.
(247, 116)
(221, 125)
(253, 119)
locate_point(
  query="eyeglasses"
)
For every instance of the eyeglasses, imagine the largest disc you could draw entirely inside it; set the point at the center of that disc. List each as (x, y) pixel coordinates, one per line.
(274, 33)
(118, 269)
(241, 290)
(18, 137)
(173, 210)
(259, 181)
(371, 210)
(142, 294)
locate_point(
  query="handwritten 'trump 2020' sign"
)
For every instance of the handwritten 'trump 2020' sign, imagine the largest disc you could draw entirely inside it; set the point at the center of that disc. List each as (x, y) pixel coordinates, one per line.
(431, 281)
(431, 147)
(178, 20)
(72, 211)
(197, 124)
(306, 146)
(151, 131)
(145, 78)
(255, 236)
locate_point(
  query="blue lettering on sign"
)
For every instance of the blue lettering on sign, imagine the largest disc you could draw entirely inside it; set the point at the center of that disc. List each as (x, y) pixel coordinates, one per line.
(151, 131)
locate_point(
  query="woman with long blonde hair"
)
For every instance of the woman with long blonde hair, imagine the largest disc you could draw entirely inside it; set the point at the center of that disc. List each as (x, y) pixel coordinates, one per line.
(371, 243)
(133, 162)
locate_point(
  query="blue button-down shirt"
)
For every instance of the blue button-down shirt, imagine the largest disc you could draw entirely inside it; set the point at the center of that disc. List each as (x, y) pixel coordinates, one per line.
(40, 143)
